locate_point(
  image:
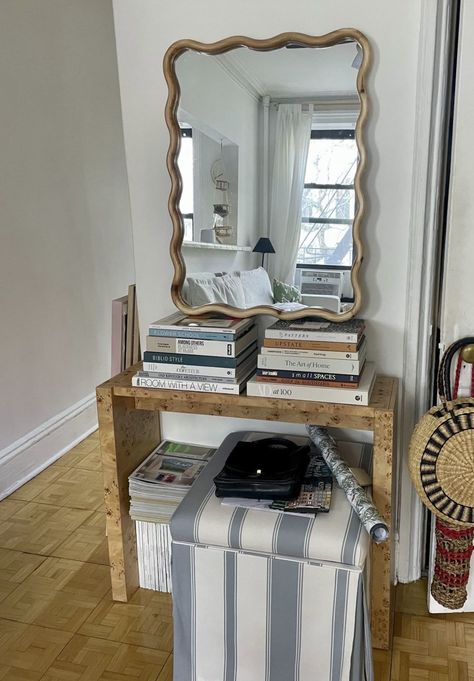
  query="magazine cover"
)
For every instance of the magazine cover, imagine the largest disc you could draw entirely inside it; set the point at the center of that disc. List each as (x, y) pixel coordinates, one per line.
(313, 498)
(354, 325)
(172, 470)
(185, 449)
(178, 319)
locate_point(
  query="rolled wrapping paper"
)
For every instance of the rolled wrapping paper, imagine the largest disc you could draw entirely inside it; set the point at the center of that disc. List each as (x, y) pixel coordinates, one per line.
(356, 495)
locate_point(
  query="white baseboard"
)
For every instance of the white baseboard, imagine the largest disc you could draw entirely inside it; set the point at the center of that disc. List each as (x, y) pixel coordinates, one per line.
(28, 456)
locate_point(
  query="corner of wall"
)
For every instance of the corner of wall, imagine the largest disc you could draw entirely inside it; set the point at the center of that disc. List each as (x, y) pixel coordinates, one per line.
(28, 456)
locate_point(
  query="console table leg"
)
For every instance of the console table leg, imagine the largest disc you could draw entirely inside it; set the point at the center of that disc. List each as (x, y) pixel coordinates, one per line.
(127, 435)
(382, 582)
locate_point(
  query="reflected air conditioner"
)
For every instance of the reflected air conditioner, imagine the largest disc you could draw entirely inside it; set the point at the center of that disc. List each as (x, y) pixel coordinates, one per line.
(319, 282)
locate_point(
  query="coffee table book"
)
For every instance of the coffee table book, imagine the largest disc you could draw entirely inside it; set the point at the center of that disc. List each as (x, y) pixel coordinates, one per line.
(359, 395)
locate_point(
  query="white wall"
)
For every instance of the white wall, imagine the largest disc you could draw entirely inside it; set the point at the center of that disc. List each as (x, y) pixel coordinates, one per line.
(209, 260)
(206, 152)
(144, 30)
(66, 243)
(220, 106)
(457, 319)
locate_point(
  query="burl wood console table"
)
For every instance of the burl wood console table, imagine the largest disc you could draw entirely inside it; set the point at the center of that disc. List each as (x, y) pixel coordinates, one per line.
(129, 424)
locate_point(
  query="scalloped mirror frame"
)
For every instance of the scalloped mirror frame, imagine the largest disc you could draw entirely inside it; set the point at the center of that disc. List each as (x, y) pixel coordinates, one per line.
(282, 40)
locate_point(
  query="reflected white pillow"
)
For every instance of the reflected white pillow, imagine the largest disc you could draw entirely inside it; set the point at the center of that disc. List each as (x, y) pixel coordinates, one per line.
(257, 287)
(194, 275)
(199, 276)
(225, 289)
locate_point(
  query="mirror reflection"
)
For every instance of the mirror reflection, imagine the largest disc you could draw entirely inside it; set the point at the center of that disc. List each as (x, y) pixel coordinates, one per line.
(268, 158)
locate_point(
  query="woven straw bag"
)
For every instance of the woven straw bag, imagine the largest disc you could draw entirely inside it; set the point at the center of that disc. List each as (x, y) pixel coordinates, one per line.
(441, 462)
(441, 453)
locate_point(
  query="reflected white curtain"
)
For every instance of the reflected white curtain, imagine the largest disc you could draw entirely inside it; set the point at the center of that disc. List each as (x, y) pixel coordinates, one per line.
(292, 136)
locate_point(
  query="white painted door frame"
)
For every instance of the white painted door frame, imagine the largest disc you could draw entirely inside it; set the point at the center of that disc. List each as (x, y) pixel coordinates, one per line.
(456, 317)
(436, 26)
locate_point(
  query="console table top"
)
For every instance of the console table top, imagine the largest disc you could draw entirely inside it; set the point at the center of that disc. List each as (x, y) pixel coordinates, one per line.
(302, 411)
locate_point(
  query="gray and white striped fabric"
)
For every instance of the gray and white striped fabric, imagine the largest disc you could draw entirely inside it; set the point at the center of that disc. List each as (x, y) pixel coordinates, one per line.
(264, 596)
(335, 537)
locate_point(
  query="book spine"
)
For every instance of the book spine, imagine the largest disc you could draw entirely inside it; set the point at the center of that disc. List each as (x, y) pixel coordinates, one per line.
(193, 386)
(320, 336)
(192, 346)
(186, 333)
(309, 345)
(309, 376)
(314, 394)
(305, 383)
(290, 363)
(190, 370)
(180, 359)
(313, 354)
(185, 377)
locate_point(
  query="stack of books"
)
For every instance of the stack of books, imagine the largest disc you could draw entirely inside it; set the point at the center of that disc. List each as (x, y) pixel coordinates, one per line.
(314, 360)
(202, 354)
(156, 488)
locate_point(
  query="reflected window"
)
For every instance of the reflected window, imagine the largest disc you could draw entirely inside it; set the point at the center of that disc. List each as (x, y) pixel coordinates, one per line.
(328, 199)
(185, 165)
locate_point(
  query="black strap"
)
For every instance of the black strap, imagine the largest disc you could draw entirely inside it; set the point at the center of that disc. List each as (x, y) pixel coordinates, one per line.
(444, 373)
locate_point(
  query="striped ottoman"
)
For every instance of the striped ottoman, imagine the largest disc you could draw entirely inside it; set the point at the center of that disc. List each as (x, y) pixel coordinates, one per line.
(265, 596)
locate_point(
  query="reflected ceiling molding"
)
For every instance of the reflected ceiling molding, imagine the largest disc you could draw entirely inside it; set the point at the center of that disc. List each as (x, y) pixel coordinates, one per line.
(240, 75)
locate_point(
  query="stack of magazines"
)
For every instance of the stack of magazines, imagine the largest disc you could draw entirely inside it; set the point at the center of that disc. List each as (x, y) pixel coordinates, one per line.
(156, 488)
(203, 354)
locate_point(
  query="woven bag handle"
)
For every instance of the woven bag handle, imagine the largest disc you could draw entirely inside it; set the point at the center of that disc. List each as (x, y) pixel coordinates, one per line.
(444, 372)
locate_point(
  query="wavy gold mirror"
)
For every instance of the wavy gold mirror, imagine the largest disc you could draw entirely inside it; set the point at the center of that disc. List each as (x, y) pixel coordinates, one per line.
(266, 159)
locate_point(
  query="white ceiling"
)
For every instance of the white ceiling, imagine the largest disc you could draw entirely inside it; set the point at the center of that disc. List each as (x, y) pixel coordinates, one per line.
(296, 73)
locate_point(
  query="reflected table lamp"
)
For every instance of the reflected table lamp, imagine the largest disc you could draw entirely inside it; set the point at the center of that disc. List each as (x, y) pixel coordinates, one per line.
(263, 245)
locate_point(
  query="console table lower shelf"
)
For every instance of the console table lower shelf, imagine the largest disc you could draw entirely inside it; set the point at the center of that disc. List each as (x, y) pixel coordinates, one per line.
(129, 429)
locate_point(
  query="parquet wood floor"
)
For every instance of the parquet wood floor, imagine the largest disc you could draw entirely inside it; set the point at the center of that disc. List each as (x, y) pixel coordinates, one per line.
(87, 543)
(15, 567)
(40, 528)
(58, 622)
(34, 487)
(75, 488)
